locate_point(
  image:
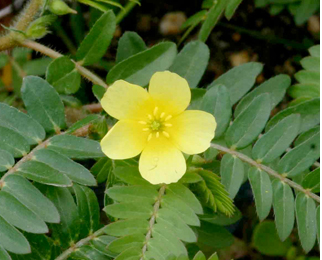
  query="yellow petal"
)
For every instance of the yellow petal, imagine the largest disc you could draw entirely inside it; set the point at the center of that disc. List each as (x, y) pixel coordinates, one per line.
(123, 100)
(192, 131)
(170, 92)
(161, 162)
(126, 139)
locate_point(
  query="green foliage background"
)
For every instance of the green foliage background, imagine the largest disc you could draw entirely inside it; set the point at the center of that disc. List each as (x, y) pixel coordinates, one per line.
(48, 206)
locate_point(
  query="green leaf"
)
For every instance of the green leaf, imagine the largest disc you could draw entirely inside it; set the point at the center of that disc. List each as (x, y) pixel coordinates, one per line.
(31, 197)
(127, 227)
(174, 222)
(306, 76)
(75, 147)
(301, 157)
(306, 222)
(3, 60)
(88, 209)
(211, 19)
(311, 63)
(275, 87)
(139, 68)
(63, 75)
(129, 210)
(94, 46)
(130, 175)
(134, 194)
(67, 231)
(129, 44)
(13, 142)
(213, 257)
(42, 247)
(249, 124)
(309, 111)
(274, 143)
(98, 92)
(283, 204)
(217, 102)
(185, 195)
(20, 216)
(102, 169)
(76, 172)
(306, 135)
(90, 119)
(310, 90)
(4, 254)
(36, 67)
(214, 236)
(306, 10)
(213, 193)
(221, 219)
(199, 256)
(172, 202)
(121, 244)
(6, 160)
(191, 62)
(276, 9)
(239, 80)
(262, 191)
(23, 124)
(43, 103)
(267, 242)
(12, 240)
(194, 19)
(318, 223)
(231, 8)
(315, 51)
(232, 174)
(43, 173)
(312, 181)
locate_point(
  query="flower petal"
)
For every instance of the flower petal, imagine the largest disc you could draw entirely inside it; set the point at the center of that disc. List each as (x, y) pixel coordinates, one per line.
(170, 92)
(161, 162)
(125, 140)
(123, 100)
(192, 131)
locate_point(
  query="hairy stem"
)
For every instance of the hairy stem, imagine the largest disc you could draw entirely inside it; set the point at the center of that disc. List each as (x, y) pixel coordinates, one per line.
(267, 169)
(54, 54)
(152, 219)
(80, 243)
(27, 16)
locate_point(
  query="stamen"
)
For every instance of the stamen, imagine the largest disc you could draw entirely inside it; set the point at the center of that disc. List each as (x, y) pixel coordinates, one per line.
(142, 122)
(167, 125)
(162, 115)
(166, 134)
(155, 111)
(168, 118)
(157, 134)
(146, 129)
(150, 117)
(149, 137)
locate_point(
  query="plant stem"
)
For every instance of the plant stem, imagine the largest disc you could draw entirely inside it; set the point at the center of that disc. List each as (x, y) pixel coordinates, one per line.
(80, 243)
(54, 54)
(267, 169)
(152, 219)
(128, 7)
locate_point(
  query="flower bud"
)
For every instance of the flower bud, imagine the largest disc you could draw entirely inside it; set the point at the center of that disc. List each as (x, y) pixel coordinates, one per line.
(59, 7)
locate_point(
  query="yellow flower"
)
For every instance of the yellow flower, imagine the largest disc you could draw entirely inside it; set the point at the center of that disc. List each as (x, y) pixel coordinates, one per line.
(156, 124)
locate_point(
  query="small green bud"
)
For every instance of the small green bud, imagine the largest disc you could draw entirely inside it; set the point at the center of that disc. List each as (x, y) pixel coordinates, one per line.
(59, 7)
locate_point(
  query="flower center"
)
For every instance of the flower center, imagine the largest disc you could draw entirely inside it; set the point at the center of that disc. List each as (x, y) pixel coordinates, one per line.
(156, 124)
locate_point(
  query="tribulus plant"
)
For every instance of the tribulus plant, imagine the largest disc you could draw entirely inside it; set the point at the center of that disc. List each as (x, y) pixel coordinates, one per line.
(172, 156)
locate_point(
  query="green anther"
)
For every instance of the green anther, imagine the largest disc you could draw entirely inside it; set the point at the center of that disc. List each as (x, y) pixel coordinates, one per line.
(155, 125)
